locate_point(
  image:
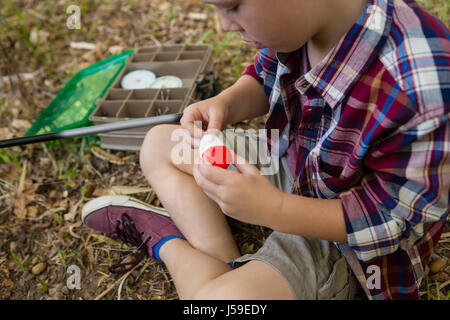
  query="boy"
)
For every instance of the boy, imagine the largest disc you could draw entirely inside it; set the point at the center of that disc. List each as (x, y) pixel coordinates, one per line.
(359, 91)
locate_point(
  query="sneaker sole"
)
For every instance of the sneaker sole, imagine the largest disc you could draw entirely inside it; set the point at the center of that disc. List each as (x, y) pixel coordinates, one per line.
(122, 201)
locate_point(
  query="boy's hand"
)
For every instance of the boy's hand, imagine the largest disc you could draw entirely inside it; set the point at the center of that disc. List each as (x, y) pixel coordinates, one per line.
(247, 196)
(211, 112)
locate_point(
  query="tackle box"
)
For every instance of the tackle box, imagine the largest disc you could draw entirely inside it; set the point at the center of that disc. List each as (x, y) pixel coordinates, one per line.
(193, 64)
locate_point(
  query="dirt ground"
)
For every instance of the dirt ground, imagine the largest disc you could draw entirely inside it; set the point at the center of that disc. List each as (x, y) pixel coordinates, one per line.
(44, 186)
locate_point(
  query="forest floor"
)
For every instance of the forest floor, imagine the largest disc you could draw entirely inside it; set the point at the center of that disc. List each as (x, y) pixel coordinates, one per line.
(44, 186)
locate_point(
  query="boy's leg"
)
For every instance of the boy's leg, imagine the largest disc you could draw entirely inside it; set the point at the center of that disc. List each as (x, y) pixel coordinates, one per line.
(198, 217)
(199, 267)
(287, 266)
(199, 276)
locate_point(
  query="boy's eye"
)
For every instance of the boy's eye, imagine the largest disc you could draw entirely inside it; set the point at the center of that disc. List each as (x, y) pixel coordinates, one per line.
(233, 9)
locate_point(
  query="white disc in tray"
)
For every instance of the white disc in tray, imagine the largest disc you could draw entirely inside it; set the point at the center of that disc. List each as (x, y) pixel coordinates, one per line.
(139, 79)
(167, 82)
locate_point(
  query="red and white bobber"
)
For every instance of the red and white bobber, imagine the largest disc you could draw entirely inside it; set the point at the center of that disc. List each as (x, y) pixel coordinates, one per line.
(212, 148)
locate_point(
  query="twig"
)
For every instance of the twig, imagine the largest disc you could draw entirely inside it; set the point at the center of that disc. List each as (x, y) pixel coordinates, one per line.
(443, 285)
(101, 295)
(142, 271)
(120, 288)
(22, 177)
(157, 43)
(445, 235)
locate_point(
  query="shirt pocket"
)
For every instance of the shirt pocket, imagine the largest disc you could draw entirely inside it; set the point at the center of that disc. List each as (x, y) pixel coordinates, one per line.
(326, 184)
(311, 118)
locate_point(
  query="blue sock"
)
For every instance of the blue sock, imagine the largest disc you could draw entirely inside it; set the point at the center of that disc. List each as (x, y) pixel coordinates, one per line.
(157, 246)
(230, 264)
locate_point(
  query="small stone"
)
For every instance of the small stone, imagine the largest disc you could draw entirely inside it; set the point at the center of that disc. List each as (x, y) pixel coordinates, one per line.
(437, 265)
(39, 268)
(65, 290)
(89, 189)
(53, 194)
(35, 260)
(12, 246)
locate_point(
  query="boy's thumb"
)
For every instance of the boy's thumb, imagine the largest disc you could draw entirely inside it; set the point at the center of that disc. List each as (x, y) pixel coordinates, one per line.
(242, 164)
(215, 121)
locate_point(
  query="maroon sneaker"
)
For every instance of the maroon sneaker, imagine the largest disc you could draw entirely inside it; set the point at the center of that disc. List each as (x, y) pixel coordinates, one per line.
(134, 222)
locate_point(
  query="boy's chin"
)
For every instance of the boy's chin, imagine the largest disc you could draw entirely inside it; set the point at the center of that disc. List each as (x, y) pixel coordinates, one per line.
(284, 51)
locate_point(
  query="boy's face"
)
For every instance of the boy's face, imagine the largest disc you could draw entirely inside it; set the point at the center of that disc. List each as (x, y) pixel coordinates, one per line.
(282, 26)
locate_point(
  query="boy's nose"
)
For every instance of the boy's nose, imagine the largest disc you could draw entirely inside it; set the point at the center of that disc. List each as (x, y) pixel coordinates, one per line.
(229, 25)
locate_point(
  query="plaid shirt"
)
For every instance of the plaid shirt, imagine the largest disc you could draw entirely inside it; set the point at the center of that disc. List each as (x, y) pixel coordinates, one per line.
(370, 125)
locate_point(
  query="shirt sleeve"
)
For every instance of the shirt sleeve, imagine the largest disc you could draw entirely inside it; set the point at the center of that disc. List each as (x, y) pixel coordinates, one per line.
(407, 188)
(255, 69)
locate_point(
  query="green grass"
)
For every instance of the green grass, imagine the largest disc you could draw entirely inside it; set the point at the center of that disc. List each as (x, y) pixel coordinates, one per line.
(7, 155)
(438, 8)
(171, 14)
(62, 256)
(76, 255)
(44, 285)
(17, 260)
(57, 217)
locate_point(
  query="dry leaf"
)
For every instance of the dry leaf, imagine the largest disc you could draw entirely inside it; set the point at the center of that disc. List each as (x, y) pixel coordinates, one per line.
(22, 125)
(72, 212)
(8, 171)
(37, 37)
(197, 16)
(83, 45)
(5, 133)
(125, 190)
(20, 200)
(115, 49)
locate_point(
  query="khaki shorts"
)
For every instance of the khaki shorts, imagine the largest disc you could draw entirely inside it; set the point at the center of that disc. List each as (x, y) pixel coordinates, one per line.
(314, 269)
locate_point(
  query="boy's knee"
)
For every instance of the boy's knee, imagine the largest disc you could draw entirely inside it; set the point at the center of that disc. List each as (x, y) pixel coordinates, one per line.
(213, 291)
(152, 149)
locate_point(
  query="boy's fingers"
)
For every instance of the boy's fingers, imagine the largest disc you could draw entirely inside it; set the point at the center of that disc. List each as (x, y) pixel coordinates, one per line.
(216, 175)
(242, 164)
(191, 123)
(193, 142)
(212, 197)
(203, 182)
(215, 121)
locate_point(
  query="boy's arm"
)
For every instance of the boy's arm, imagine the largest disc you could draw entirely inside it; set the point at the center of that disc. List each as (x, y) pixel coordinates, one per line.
(310, 217)
(245, 100)
(395, 200)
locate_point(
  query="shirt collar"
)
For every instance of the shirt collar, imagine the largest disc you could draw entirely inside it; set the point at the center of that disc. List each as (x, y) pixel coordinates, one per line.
(336, 74)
